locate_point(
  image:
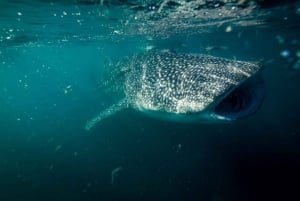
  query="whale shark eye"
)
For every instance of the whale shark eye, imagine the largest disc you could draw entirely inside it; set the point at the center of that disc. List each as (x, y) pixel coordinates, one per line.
(243, 101)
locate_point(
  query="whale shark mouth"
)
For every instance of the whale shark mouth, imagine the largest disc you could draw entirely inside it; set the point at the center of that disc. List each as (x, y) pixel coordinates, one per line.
(242, 102)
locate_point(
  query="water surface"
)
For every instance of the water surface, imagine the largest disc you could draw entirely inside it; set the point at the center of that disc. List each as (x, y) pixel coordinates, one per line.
(53, 55)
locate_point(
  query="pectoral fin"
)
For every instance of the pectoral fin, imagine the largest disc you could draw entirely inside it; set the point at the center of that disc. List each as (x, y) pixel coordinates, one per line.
(106, 113)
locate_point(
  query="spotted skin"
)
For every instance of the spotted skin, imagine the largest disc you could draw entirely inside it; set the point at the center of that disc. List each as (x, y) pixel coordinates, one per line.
(182, 83)
(175, 85)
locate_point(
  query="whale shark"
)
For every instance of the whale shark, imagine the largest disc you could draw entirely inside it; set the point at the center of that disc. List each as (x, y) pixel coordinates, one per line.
(187, 87)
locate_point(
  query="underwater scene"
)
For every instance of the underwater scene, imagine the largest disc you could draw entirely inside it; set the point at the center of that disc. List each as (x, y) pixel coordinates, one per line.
(165, 100)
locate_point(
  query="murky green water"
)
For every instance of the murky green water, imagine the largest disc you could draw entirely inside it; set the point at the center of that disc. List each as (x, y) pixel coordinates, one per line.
(53, 55)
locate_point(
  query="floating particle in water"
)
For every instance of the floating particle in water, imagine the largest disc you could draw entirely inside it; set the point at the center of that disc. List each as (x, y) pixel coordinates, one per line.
(215, 47)
(65, 13)
(18, 119)
(68, 89)
(149, 47)
(57, 148)
(285, 53)
(298, 54)
(114, 173)
(75, 153)
(228, 29)
(296, 65)
(117, 32)
(19, 13)
(178, 148)
(298, 11)
(151, 8)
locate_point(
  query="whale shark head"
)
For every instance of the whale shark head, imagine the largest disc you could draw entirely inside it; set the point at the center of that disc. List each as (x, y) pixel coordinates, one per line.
(193, 87)
(242, 102)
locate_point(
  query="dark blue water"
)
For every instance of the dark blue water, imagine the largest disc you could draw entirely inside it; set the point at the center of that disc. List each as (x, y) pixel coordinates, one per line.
(53, 55)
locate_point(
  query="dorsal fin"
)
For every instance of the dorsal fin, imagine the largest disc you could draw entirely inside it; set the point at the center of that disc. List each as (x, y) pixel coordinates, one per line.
(113, 109)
